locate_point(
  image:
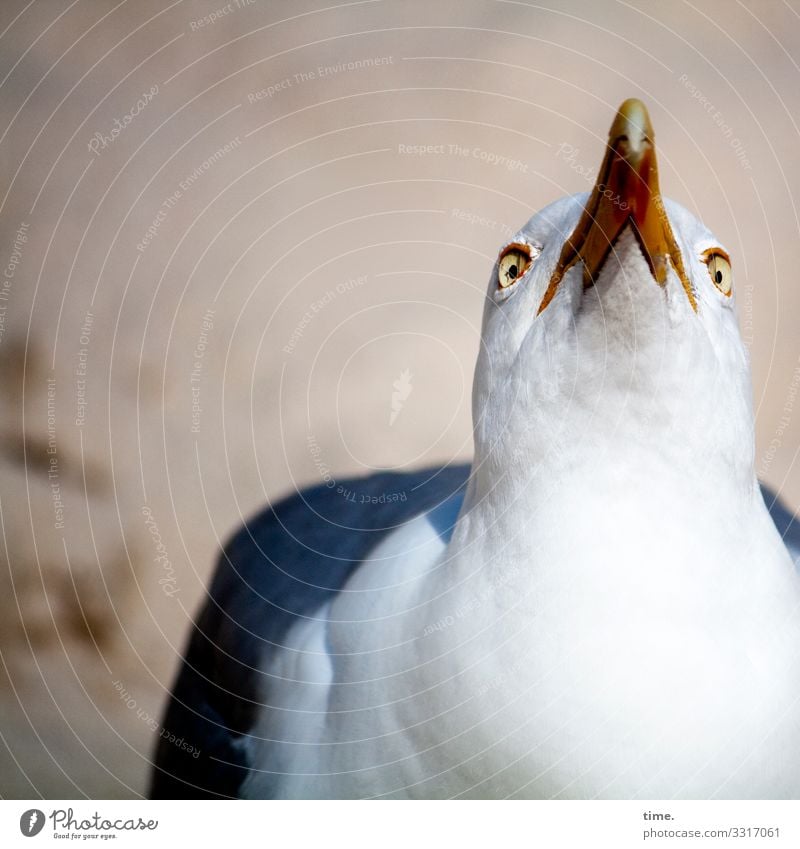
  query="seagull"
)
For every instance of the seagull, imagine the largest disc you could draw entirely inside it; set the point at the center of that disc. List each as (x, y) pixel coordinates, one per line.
(604, 604)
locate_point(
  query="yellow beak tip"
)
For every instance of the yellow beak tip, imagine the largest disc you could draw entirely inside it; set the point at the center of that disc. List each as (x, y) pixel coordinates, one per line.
(632, 120)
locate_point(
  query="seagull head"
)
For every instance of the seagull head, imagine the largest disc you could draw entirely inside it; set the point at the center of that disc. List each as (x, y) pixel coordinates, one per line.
(610, 332)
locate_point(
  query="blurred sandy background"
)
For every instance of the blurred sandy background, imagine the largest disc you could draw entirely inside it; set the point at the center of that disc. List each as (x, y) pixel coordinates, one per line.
(218, 253)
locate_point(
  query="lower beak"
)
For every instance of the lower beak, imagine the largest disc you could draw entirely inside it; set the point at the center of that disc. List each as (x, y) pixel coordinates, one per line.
(626, 192)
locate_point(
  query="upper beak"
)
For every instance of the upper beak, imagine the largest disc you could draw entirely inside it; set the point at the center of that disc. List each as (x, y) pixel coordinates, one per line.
(626, 192)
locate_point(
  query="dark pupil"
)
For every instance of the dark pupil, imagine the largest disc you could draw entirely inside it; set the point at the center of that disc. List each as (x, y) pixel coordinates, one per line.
(718, 277)
(512, 272)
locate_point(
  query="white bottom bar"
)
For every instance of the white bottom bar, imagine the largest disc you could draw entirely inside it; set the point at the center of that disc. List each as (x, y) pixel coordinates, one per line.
(351, 825)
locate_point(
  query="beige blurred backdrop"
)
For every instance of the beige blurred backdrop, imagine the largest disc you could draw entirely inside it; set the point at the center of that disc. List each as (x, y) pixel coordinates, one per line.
(221, 247)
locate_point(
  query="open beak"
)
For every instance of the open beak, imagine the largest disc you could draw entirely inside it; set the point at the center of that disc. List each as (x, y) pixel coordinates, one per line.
(626, 192)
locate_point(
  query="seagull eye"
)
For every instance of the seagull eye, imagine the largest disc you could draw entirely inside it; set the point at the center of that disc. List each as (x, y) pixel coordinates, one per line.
(719, 270)
(514, 262)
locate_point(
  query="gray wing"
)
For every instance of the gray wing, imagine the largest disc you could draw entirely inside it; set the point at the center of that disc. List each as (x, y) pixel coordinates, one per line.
(787, 523)
(281, 565)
